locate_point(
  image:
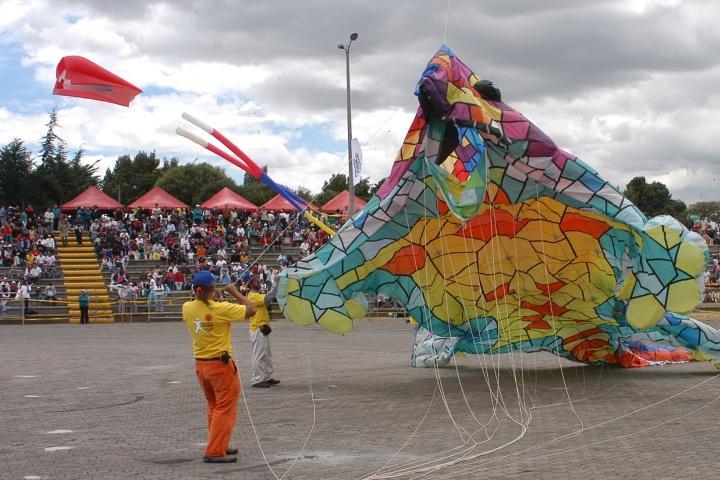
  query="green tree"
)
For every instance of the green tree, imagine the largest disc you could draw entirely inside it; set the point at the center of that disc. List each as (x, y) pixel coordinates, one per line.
(48, 142)
(131, 178)
(305, 194)
(56, 180)
(654, 198)
(703, 210)
(50, 174)
(362, 189)
(15, 173)
(82, 175)
(331, 187)
(194, 183)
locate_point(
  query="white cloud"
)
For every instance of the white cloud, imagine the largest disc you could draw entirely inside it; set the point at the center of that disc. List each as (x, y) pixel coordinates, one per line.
(630, 87)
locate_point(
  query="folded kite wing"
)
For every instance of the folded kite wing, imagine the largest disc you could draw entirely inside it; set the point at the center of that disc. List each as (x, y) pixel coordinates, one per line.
(79, 77)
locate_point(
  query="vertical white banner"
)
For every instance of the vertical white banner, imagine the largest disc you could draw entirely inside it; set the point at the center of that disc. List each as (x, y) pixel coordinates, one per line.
(356, 160)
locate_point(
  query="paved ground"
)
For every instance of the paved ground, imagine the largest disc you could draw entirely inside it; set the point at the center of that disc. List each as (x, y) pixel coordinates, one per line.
(121, 401)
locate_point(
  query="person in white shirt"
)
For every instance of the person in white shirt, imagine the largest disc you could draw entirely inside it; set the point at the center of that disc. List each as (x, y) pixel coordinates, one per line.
(132, 297)
(122, 295)
(4, 295)
(160, 296)
(304, 248)
(48, 216)
(35, 273)
(49, 293)
(24, 294)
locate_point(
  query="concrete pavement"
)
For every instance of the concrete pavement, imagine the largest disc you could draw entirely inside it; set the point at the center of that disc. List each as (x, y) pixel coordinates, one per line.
(121, 401)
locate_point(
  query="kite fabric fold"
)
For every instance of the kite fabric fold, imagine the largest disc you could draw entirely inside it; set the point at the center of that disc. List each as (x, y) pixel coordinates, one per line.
(496, 240)
(80, 77)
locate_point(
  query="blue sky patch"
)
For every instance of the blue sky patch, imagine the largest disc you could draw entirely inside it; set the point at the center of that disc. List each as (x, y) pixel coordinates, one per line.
(316, 138)
(19, 91)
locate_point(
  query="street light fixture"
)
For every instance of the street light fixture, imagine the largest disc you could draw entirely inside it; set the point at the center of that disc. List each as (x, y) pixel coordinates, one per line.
(346, 48)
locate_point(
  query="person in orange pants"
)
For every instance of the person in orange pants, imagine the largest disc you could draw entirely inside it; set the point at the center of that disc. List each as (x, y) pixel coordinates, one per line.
(209, 325)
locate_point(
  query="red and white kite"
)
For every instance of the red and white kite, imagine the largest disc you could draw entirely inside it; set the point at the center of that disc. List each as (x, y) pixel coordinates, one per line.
(79, 77)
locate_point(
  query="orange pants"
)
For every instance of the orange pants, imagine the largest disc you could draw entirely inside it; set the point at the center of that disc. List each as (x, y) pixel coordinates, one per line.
(221, 386)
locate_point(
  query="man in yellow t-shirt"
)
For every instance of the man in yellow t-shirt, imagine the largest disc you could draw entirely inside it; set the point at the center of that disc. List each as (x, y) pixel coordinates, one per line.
(208, 323)
(262, 367)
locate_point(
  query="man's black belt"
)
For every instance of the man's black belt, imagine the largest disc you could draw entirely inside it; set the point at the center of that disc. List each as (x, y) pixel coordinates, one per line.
(225, 357)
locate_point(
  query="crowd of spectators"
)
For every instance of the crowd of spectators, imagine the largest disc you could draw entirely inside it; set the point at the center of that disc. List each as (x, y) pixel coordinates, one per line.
(187, 240)
(710, 231)
(28, 247)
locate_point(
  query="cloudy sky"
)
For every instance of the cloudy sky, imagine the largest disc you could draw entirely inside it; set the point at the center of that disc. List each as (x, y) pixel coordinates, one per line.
(630, 86)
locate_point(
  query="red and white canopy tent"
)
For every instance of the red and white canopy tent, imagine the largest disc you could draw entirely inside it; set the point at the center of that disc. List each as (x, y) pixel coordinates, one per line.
(230, 199)
(92, 197)
(341, 202)
(280, 203)
(158, 197)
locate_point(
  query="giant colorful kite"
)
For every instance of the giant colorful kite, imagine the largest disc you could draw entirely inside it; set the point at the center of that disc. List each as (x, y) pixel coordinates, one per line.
(496, 240)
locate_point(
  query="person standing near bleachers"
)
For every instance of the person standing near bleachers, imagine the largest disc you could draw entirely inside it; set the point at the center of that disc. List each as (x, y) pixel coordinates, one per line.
(84, 304)
(78, 233)
(122, 295)
(64, 230)
(56, 216)
(132, 294)
(23, 294)
(4, 295)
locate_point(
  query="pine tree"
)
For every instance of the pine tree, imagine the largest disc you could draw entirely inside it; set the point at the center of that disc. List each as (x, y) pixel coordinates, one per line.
(15, 174)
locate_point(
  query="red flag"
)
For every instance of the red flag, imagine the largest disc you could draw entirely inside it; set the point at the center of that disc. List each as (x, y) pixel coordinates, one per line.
(79, 77)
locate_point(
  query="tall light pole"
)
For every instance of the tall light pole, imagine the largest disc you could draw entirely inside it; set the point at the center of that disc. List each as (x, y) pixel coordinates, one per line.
(353, 37)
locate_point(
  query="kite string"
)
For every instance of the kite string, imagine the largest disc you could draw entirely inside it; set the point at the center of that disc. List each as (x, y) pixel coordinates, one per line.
(554, 319)
(306, 343)
(438, 379)
(447, 16)
(427, 467)
(306, 368)
(595, 426)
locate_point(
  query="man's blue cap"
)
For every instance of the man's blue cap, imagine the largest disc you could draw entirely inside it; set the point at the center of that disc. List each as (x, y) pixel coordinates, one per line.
(203, 278)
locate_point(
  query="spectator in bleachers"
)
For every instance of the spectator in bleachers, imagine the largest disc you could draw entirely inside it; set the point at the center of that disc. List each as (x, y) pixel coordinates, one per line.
(23, 294)
(5, 294)
(132, 297)
(64, 230)
(78, 233)
(49, 293)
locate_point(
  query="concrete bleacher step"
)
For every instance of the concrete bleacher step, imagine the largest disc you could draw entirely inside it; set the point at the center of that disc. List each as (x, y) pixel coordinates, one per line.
(78, 256)
(86, 279)
(87, 284)
(81, 271)
(77, 270)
